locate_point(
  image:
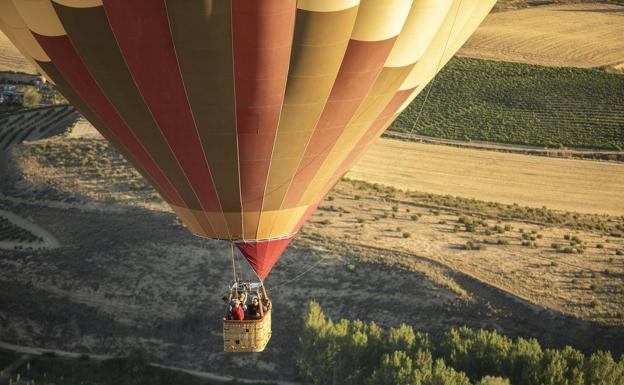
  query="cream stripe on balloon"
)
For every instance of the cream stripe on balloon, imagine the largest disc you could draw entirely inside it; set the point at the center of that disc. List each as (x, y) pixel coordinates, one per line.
(422, 23)
(326, 5)
(380, 20)
(439, 52)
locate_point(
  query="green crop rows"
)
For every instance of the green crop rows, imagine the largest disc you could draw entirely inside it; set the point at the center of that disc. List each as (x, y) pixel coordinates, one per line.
(475, 99)
(12, 233)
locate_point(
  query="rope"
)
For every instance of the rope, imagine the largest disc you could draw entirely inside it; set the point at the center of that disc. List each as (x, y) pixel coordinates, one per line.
(448, 38)
(234, 267)
(311, 267)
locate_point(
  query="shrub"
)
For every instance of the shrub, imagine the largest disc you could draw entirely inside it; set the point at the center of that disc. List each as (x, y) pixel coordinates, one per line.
(406, 235)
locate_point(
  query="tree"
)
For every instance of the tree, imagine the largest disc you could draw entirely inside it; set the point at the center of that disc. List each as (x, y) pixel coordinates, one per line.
(32, 98)
(601, 369)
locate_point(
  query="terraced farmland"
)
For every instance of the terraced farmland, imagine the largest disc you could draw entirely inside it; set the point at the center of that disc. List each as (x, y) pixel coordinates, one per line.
(10, 232)
(476, 99)
(16, 127)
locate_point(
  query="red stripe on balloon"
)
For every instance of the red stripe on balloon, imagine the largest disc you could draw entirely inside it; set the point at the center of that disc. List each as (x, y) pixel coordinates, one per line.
(68, 63)
(363, 60)
(141, 28)
(262, 40)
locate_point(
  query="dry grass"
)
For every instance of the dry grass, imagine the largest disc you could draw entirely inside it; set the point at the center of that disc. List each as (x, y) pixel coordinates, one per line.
(515, 256)
(563, 184)
(572, 35)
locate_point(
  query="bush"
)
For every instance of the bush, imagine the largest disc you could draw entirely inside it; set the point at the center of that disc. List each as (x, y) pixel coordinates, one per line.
(600, 246)
(406, 235)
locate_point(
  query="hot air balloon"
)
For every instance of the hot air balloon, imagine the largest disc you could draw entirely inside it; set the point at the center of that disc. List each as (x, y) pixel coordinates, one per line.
(243, 114)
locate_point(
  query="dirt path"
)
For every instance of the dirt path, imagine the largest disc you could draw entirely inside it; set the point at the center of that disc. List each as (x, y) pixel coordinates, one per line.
(564, 184)
(577, 35)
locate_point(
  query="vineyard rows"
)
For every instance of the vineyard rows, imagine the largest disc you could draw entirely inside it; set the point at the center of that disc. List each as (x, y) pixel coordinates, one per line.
(474, 99)
(12, 233)
(33, 124)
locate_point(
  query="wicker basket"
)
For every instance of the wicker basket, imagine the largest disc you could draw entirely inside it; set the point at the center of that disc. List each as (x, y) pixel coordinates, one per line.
(247, 335)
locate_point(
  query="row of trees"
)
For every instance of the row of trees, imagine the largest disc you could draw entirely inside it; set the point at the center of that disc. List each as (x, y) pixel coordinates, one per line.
(354, 352)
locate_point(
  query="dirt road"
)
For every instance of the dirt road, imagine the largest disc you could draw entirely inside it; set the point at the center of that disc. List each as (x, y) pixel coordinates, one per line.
(564, 184)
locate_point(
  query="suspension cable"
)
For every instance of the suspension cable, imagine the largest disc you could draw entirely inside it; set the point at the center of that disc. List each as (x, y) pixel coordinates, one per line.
(307, 270)
(430, 87)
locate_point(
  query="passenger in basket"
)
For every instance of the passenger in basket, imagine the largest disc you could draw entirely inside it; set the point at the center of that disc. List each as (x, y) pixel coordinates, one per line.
(267, 304)
(242, 298)
(237, 311)
(253, 310)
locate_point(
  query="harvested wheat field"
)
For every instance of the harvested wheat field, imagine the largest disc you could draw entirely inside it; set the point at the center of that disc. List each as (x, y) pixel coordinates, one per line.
(578, 35)
(563, 184)
(11, 59)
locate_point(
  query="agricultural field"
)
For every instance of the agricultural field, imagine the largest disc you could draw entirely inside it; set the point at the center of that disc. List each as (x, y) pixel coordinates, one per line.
(535, 181)
(128, 273)
(474, 99)
(34, 124)
(558, 33)
(9, 232)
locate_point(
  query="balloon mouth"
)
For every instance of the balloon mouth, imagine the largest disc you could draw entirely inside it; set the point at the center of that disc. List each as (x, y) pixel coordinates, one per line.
(263, 254)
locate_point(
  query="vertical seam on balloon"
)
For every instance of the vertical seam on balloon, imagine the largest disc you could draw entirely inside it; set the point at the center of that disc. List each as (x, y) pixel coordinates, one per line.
(199, 139)
(113, 107)
(314, 129)
(279, 119)
(240, 187)
(154, 119)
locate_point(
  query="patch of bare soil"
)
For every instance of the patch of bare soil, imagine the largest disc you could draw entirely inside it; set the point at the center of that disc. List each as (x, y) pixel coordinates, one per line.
(568, 35)
(129, 273)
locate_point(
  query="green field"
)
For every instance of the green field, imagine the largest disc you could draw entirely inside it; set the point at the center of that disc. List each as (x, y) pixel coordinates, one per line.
(474, 99)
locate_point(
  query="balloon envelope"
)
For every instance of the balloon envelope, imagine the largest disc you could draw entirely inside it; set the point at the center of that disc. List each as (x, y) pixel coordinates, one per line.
(242, 114)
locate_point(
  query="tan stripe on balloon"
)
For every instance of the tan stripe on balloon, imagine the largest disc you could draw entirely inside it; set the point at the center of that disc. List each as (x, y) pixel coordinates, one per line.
(319, 44)
(279, 223)
(79, 3)
(15, 40)
(326, 5)
(422, 23)
(380, 19)
(40, 17)
(17, 30)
